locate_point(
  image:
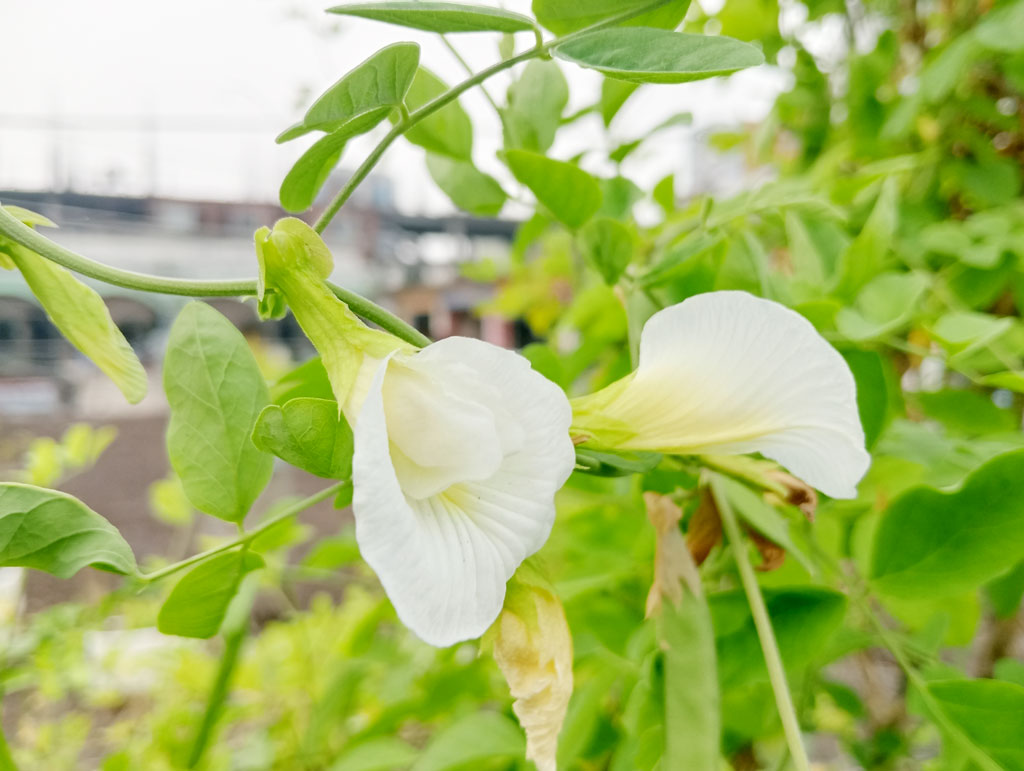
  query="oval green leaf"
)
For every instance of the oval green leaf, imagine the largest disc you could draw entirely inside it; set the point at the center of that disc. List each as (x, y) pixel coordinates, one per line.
(198, 603)
(216, 392)
(51, 531)
(564, 16)
(303, 182)
(569, 193)
(608, 246)
(934, 544)
(467, 187)
(439, 17)
(380, 81)
(645, 55)
(536, 102)
(308, 433)
(447, 131)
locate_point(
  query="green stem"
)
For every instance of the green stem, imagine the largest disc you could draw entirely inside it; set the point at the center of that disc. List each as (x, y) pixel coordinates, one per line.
(233, 640)
(765, 633)
(541, 49)
(13, 229)
(247, 537)
(404, 125)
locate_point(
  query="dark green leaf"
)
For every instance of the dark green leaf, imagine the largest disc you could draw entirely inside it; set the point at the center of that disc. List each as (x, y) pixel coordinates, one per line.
(990, 714)
(968, 413)
(644, 55)
(439, 17)
(803, 619)
(308, 433)
(447, 131)
(467, 187)
(568, 192)
(47, 530)
(198, 603)
(935, 544)
(216, 392)
(1005, 592)
(564, 16)
(608, 246)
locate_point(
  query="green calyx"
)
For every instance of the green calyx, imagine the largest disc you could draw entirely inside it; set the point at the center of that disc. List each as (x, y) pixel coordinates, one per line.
(294, 264)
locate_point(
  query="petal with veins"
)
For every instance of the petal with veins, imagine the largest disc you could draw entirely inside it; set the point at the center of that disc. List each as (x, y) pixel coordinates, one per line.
(730, 373)
(444, 559)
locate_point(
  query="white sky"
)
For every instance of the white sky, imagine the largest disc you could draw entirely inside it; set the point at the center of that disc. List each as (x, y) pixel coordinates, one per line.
(83, 85)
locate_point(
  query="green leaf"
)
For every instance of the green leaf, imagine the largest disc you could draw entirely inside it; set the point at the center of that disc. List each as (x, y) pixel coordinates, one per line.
(364, 96)
(51, 531)
(535, 105)
(1006, 592)
(564, 16)
(764, 518)
(198, 603)
(448, 131)
(990, 713)
(309, 379)
(884, 306)
(303, 181)
(691, 686)
(467, 187)
(439, 17)
(216, 392)
(936, 544)
(478, 736)
(968, 413)
(568, 192)
(308, 433)
(644, 55)
(865, 257)
(614, 94)
(382, 753)
(608, 246)
(381, 81)
(82, 317)
(803, 619)
(618, 196)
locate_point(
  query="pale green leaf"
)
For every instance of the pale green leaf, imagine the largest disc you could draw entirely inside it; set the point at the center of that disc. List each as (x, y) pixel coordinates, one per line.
(645, 55)
(216, 392)
(82, 317)
(51, 531)
(535, 105)
(937, 544)
(369, 91)
(383, 753)
(197, 605)
(447, 131)
(439, 17)
(764, 518)
(884, 306)
(608, 246)
(467, 187)
(865, 257)
(308, 433)
(303, 181)
(564, 16)
(614, 93)
(568, 192)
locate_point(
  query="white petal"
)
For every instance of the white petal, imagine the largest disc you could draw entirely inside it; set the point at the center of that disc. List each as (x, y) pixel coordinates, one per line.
(727, 372)
(444, 560)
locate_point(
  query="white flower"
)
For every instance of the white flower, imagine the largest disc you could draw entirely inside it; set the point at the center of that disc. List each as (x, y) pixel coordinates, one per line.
(730, 373)
(459, 450)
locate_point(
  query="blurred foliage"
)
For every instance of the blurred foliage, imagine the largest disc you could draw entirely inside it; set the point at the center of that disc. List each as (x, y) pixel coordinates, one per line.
(893, 221)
